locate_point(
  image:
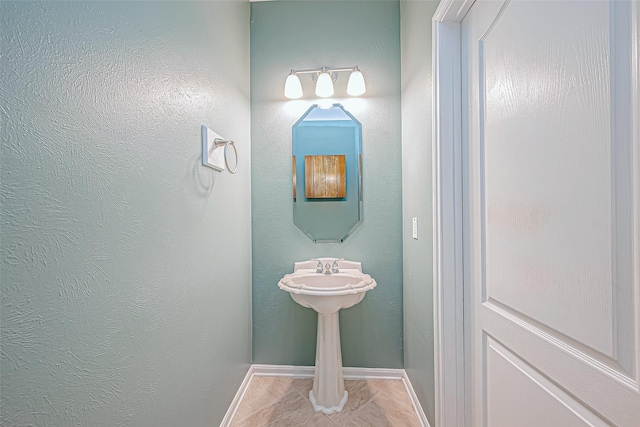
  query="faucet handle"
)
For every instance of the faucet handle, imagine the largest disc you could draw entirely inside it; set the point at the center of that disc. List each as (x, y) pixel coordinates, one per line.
(334, 267)
(319, 266)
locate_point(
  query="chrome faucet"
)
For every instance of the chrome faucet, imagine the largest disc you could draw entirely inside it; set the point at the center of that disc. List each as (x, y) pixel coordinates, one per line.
(327, 268)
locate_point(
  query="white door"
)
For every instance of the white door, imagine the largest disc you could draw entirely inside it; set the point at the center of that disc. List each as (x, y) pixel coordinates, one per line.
(552, 212)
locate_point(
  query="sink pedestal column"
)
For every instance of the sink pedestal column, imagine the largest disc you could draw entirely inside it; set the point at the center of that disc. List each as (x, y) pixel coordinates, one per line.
(328, 394)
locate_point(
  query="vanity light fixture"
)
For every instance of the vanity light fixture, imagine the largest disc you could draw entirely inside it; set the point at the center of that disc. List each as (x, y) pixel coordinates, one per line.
(292, 87)
(356, 86)
(324, 78)
(324, 84)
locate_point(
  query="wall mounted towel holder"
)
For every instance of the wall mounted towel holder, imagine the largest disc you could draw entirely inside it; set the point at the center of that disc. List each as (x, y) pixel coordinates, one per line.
(215, 151)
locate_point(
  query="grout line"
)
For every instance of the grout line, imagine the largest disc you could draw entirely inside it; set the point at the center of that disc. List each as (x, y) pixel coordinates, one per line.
(361, 408)
(332, 422)
(269, 404)
(402, 403)
(300, 392)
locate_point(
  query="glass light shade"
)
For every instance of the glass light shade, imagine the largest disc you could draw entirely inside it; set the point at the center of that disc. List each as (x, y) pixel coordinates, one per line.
(355, 85)
(292, 87)
(324, 85)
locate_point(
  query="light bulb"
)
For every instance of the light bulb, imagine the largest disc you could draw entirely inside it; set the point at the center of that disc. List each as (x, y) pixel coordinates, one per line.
(324, 85)
(355, 85)
(292, 87)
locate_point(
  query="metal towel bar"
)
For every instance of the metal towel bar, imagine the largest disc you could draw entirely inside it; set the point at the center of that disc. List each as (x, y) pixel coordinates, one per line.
(214, 149)
(219, 142)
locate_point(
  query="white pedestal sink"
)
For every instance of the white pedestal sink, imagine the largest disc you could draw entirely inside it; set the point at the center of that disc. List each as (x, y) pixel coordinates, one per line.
(327, 293)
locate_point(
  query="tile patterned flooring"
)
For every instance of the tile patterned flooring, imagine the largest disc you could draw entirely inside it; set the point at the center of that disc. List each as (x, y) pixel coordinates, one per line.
(284, 402)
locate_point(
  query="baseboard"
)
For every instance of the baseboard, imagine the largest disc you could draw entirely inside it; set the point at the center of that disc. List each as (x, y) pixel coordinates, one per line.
(308, 372)
(422, 417)
(235, 403)
(283, 371)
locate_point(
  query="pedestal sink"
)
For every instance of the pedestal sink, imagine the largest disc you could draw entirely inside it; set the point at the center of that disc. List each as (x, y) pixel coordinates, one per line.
(327, 285)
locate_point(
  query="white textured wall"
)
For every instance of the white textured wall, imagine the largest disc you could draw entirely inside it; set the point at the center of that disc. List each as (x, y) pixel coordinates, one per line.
(126, 267)
(417, 98)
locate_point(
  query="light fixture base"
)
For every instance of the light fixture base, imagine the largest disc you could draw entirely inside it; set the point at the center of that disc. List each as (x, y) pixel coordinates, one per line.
(333, 74)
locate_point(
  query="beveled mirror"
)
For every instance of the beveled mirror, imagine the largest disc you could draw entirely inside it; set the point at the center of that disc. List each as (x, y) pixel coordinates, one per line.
(327, 173)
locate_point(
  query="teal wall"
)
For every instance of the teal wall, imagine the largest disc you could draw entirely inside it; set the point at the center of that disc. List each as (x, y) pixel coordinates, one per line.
(417, 115)
(126, 266)
(311, 34)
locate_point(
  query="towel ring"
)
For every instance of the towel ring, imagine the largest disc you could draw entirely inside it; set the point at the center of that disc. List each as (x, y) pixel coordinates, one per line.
(219, 142)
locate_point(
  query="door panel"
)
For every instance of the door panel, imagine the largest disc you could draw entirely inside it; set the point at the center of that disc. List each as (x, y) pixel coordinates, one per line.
(552, 185)
(547, 169)
(508, 373)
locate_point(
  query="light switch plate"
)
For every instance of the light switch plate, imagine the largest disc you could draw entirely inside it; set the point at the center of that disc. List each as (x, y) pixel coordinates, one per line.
(211, 156)
(414, 223)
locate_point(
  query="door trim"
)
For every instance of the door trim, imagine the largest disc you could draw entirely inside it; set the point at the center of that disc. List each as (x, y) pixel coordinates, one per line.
(448, 296)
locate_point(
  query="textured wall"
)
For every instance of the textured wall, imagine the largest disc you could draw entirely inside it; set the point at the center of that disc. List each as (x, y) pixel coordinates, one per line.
(417, 97)
(125, 264)
(310, 34)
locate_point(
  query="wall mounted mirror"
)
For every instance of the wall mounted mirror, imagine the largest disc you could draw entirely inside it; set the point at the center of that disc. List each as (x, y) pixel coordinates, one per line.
(327, 174)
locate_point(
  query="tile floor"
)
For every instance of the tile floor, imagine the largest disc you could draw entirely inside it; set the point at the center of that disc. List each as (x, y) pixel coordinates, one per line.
(283, 402)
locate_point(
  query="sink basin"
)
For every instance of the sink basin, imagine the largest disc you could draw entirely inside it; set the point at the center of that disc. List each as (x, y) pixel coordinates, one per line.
(312, 283)
(327, 293)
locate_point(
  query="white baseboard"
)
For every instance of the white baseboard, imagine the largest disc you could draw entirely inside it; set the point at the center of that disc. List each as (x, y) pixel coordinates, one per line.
(283, 371)
(235, 403)
(422, 417)
(308, 372)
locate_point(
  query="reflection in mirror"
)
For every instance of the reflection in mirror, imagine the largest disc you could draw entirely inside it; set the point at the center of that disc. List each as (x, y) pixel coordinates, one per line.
(327, 173)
